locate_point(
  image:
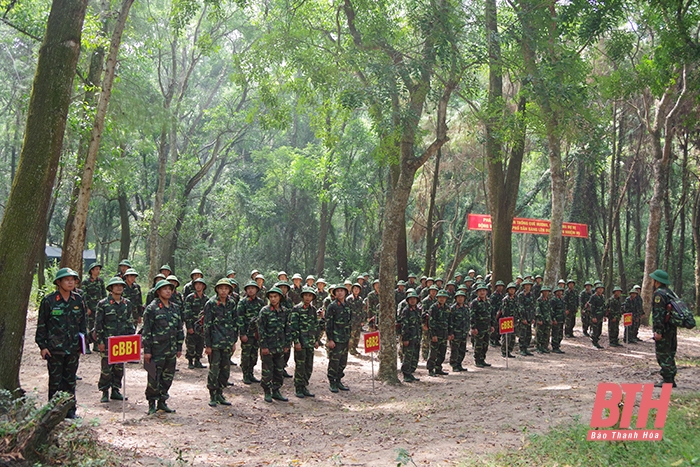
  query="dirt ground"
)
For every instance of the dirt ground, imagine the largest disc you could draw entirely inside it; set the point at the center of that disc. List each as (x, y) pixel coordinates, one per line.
(438, 421)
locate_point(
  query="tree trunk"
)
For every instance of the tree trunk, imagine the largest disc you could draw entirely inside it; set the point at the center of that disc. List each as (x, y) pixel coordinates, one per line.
(554, 245)
(678, 283)
(154, 231)
(429, 240)
(73, 250)
(696, 240)
(125, 238)
(23, 224)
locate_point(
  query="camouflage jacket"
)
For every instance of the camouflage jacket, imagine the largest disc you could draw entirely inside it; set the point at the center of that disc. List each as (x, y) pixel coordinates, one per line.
(113, 319)
(632, 306)
(583, 298)
(659, 311)
(220, 329)
(438, 321)
(399, 296)
(248, 311)
(543, 312)
(93, 292)
(570, 300)
(481, 318)
(304, 326)
(357, 308)
(150, 296)
(134, 295)
(597, 306)
(459, 322)
(162, 334)
(558, 310)
(274, 330)
(614, 308)
(338, 322)
(510, 306)
(179, 300)
(194, 311)
(496, 299)
(410, 323)
(528, 303)
(295, 296)
(320, 297)
(372, 306)
(427, 303)
(60, 323)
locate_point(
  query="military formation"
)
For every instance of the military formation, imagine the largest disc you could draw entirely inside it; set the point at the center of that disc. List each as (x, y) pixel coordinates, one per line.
(299, 317)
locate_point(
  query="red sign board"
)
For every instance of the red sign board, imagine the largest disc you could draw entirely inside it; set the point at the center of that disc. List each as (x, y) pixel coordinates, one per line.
(506, 325)
(371, 342)
(627, 319)
(123, 349)
(528, 226)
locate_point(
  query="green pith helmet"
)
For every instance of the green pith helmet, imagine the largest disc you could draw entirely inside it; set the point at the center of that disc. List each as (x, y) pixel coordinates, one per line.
(157, 277)
(442, 293)
(571, 281)
(433, 287)
(412, 276)
(481, 286)
(308, 290)
(558, 289)
(512, 285)
(462, 287)
(449, 283)
(431, 279)
(469, 279)
(357, 285)
(125, 262)
(222, 281)
(93, 266)
(545, 288)
(633, 291)
(588, 283)
(599, 285)
(229, 272)
(196, 271)
(524, 283)
(283, 284)
(173, 277)
(661, 276)
(234, 282)
(412, 295)
(65, 272)
(165, 266)
(519, 277)
(538, 276)
(459, 274)
(163, 283)
(461, 294)
(375, 281)
(310, 277)
(500, 283)
(131, 272)
(439, 279)
(251, 284)
(423, 278)
(274, 290)
(199, 280)
(399, 283)
(341, 286)
(617, 289)
(115, 281)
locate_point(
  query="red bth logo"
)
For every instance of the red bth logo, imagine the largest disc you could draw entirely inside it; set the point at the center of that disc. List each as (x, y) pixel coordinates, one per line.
(616, 412)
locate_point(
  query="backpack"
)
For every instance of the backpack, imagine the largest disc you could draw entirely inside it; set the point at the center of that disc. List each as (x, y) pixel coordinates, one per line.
(681, 315)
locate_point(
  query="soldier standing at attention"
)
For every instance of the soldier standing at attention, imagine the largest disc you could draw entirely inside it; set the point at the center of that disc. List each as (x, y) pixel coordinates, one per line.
(194, 323)
(113, 318)
(558, 317)
(528, 303)
(295, 291)
(310, 282)
(60, 323)
(596, 310)
(410, 332)
(543, 317)
(570, 308)
(262, 290)
(189, 287)
(665, 331)
(371, 304)
(583, 299)
(338, 322)
(151, 295)
(429, 282)
(321, 293)
(275, 340)
(614, 313)
(438, 317)
(93, 291)
(306, 335)
(429, 300)
(123, 266)
(459, 326)
(231, 274)
(162, 339)
(248, 311)
(219, 339)
(631, 306)
(510, 306)
(357, 308)
(132, 292)
(495, 300)
(177, 297)
(411, 284)
(481, 325)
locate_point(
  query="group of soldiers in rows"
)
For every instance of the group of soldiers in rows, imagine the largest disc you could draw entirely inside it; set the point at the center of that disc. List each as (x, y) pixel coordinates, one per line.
(270, 322)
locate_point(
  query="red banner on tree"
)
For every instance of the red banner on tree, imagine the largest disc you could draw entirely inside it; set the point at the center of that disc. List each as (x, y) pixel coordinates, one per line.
(528, 226)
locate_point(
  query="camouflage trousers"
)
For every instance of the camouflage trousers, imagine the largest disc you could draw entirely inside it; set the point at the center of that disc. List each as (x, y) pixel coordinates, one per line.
(570, 321)
(90, 327)
(666, 356)
(586, 322)
(272, 371)
(219, 369)
(160, 378)
(596, 330)
(249, 355)
(544, 331)
(614, 329)
(524, 335)
(355, 333)
(337, 361)
(425, 345)
(557, 334)
(481, 346)
(409, 360)
(495, 337)
(511, 343)
(303, 367)
(195, 345)
(437, 354)
(110, 375)
(458, 349)
(62, 370)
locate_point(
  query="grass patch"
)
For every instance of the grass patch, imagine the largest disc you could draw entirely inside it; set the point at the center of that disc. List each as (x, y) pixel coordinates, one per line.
(567, 446)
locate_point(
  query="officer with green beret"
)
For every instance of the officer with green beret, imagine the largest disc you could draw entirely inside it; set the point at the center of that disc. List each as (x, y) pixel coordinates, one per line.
(275, 340)
(338, 326)
(438, 328)
(59, 327)
(114, 317)
(665, 331)
(248, 310)
(132, 291)
(194, 322)
(189, 287)
(458, 330)
(543, 318)
(410, 331)
(162, 339)
(220, 335)
(614, 315)
(93, 288)
(481, 325)
(306, 337)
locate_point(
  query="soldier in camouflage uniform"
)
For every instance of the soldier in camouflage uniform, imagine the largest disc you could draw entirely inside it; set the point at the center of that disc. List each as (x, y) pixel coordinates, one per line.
(93, 288)
(151, 295)
(481, 325)
(113, 317)
(665, 331)
(162, 339)
(410, 331)
(310, 282)
(451, 290)
(527, 303)
(122, 267)
(248, 311)
(596, 308)
(177, 297)
(614, 313)
(321, 293)
(558, 318)
(583, 299)
(637, 317)
(287, 303)
(495, 300)
(357, 308)
(262, 290)
(166, 270)
(231, 274)
(510, 306)
(438, 317)
(220, 335)
(132, 292)
(400, 292)
(459, 279)
(411, 284)
(458, 330)
(189, 287)
(429, 282)
(427, 302)
(338, 326)
(61, 320)
(543, 317)
(631, 306)
(570, 307)
(275, 340)
(194, 323)
(371, 305)
(295, 290)
(306, 336)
